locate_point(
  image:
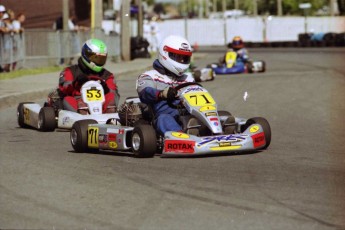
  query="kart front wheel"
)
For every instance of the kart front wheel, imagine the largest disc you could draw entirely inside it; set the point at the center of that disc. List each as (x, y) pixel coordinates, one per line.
(47, 119)
(21, 113)
(144, 141)
(79, 135)
(265, 126)
(229, 126)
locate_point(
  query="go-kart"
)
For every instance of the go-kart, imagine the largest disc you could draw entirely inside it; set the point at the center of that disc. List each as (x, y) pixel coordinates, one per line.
(233, 65)
(52, 115)
(204, 74)
(206, 130)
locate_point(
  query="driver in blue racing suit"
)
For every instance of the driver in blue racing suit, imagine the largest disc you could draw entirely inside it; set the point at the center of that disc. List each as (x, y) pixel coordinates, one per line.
(156, 87)
(237, 45)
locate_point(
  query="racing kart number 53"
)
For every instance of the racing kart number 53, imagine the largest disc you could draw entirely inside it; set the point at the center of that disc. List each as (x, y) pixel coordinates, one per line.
(53, 115)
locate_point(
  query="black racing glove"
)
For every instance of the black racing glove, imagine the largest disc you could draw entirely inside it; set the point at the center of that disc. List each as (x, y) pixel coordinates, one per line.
(168, 94)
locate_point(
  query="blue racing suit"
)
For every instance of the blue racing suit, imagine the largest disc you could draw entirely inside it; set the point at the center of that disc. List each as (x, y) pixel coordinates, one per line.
(150, 84)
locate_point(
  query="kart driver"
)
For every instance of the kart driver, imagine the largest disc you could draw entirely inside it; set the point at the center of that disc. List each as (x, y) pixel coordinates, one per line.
(156, 87)
(90, 67)
(237, 45)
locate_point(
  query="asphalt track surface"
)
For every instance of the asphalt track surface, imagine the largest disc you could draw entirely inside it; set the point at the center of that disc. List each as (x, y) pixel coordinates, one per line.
(298, 183)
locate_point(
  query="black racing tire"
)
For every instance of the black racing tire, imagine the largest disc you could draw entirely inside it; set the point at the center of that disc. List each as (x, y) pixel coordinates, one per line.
(47, 119)
(263, 67)
(250, 67)
(144, 141)
(265, 126)
(224, 113)
(141, 122)
(229, 120)
(79, 135)
(197, 75)
(20, 114)
(229, 129)
(192, 121)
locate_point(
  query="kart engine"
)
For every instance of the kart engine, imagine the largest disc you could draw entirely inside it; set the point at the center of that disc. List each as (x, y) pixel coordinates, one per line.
(55, 99)
(129, 113)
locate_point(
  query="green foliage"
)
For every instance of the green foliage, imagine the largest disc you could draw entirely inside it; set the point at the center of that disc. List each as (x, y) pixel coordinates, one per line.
(290, 7)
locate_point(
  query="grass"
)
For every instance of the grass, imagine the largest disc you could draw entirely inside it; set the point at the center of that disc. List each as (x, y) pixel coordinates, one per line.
(24, 72)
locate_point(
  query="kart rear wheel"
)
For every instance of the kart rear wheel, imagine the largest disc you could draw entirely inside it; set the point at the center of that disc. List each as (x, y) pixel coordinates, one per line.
(20, 114)
(265, 126)
(250, 67)
(79, 135)
(47, 119)
(197, 75)
(263, 67)
(144, 141)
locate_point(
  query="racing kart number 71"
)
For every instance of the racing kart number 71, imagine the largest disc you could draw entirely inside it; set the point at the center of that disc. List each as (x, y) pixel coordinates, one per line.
(206, 130)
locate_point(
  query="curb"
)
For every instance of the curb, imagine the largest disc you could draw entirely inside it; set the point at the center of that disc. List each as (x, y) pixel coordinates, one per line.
(13, 99)
(16, 98)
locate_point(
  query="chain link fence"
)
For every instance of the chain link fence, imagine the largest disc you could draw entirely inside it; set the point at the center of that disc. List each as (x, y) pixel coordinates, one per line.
(39, 48)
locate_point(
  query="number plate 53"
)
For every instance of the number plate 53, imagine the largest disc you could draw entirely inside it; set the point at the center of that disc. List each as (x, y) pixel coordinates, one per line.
(94, 95)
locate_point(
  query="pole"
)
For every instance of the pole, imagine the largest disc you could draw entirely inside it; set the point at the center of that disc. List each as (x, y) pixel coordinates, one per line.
(255, 8)
(207, 8)
(280, 8)
(140, 18)
(201, 9)
(65, 17)
(236, 5)
(92, 18)
(125, 31)
(214, 6)
(305, 21)
(65, 14)
(96, 17)
(224, 6)
(331, 7)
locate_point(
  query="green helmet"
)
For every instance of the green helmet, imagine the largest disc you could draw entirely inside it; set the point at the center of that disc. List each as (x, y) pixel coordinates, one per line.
(94, 54)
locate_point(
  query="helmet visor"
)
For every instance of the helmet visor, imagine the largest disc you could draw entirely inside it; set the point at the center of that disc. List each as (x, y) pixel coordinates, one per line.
(180, 58)
(98, 59)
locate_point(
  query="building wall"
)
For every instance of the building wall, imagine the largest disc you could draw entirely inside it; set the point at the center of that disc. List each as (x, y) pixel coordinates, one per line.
(43, 13)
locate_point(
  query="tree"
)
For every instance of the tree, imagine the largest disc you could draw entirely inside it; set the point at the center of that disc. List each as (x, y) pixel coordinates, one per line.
(341, 5)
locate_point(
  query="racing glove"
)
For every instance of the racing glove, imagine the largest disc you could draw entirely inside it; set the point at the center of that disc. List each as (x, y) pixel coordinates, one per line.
(168, 94)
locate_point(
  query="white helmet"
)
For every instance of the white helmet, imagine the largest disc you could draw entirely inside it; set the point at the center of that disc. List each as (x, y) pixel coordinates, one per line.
(174, 54)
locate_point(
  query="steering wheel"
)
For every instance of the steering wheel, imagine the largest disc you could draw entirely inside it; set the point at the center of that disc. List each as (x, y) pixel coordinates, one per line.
(170, 103)
(186, 84)
(94, 78)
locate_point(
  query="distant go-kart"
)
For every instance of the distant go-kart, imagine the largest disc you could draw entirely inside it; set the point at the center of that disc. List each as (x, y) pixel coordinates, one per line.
(52, 115)
(235, 66)
(204, 74)
(206, 130)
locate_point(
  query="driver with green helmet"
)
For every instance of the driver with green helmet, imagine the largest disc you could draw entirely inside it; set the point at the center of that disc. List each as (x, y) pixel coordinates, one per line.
(90, 67)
